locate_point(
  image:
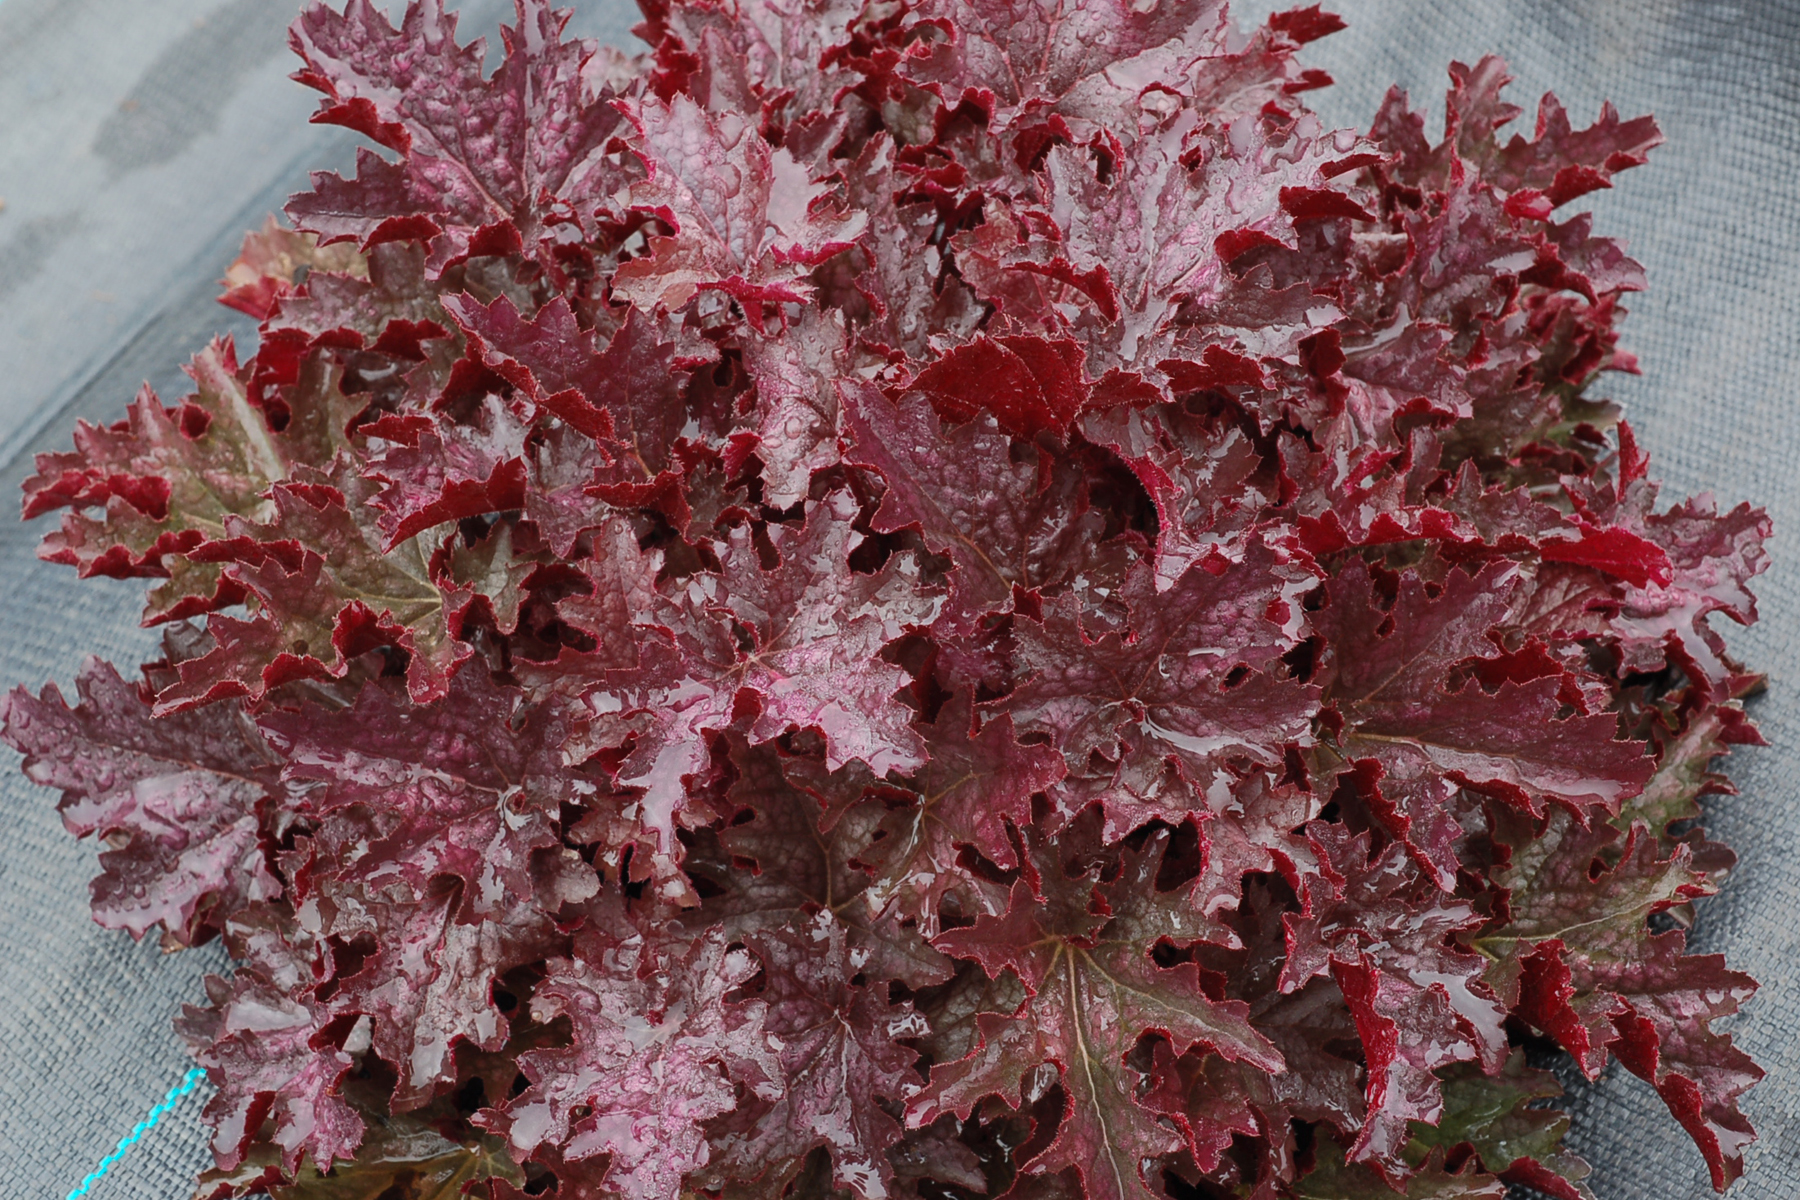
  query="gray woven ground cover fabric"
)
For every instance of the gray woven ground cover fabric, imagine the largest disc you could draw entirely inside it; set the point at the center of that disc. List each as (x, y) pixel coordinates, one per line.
(139, 137)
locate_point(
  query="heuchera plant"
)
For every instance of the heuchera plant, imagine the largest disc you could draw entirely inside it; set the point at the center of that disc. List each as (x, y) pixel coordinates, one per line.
(946, 598)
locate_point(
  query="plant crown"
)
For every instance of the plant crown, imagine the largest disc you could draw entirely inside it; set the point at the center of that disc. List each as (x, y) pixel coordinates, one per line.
(942, 599)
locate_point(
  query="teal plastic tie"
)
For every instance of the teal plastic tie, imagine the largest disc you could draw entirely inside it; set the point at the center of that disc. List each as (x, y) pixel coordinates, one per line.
(176, 1095)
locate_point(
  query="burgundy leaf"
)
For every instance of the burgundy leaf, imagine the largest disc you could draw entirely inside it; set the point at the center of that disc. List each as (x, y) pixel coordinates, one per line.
(1387, 678)
(781, 866)
(1094, 992)
(181, 794)
(796, 377)
(838, 1056)
(744, 218)
(1579, 953)
(1418, 1000)
(975, 784)
(627, 395)
(1032, 61)
(657, 1051)
(482, 157)
(1153, 717)
(445, 471)
(1004, 521)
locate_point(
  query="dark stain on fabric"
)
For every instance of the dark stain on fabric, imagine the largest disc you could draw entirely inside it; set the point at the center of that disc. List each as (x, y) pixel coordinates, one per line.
(181, 94)
(22, 255)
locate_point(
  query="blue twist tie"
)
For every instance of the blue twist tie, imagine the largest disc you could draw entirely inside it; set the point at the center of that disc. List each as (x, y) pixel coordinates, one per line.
(179, 1092)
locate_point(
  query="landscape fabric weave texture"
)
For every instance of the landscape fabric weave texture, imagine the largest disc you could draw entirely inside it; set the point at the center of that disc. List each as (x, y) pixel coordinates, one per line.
(1641, 561)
